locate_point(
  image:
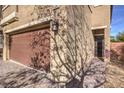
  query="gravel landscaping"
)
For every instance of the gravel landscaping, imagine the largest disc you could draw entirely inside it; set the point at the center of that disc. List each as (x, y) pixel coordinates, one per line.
(114, 76)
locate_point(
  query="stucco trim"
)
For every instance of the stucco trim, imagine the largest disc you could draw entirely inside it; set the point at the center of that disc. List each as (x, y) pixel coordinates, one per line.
(9, 18)
(6, 6)
(96, 5)
(99, 27)
(30, 24)
(98, 34)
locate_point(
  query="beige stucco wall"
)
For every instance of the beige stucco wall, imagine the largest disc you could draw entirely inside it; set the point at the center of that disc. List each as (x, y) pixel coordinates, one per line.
(8, 10)
(78, 43)
(101, 15)
(79, 19)
(24, 15)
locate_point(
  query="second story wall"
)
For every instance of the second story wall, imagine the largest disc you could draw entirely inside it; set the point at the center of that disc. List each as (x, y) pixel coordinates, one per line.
(16, 16)
(7, 10)
(101, 15)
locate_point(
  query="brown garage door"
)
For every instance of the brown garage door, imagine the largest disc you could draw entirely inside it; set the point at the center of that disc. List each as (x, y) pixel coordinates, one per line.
(31, 48)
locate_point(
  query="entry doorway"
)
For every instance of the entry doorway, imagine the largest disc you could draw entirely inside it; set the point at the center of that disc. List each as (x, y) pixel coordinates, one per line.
(99, 43)
(99, 46)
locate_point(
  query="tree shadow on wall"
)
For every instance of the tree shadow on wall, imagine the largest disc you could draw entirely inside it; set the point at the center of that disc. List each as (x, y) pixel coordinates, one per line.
(40, 46)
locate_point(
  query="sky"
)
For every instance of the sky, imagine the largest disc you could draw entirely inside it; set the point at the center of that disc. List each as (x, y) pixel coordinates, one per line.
(117, 24)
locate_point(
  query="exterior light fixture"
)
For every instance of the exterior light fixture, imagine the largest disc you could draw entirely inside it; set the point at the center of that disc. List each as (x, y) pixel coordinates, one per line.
(55, 26)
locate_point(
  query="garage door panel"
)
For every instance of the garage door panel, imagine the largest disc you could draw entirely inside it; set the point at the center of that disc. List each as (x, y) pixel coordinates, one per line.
(31, 48)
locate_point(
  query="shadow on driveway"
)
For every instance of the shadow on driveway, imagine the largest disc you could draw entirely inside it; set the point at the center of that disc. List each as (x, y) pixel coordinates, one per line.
(26, 78)
(16, 76)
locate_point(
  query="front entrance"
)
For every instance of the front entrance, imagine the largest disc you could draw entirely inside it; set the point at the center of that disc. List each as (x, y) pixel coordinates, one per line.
(99, 46)
(99, 43)
(31, 48)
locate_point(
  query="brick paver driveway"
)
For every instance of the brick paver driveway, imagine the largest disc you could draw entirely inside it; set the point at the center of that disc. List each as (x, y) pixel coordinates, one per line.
(13, 75)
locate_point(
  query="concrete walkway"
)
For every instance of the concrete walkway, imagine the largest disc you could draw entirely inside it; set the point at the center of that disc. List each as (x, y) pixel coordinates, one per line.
(15, 76)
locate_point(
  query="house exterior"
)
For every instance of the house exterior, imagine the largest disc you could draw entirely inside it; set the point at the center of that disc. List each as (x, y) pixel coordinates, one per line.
(101, 19)
(49, 37)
